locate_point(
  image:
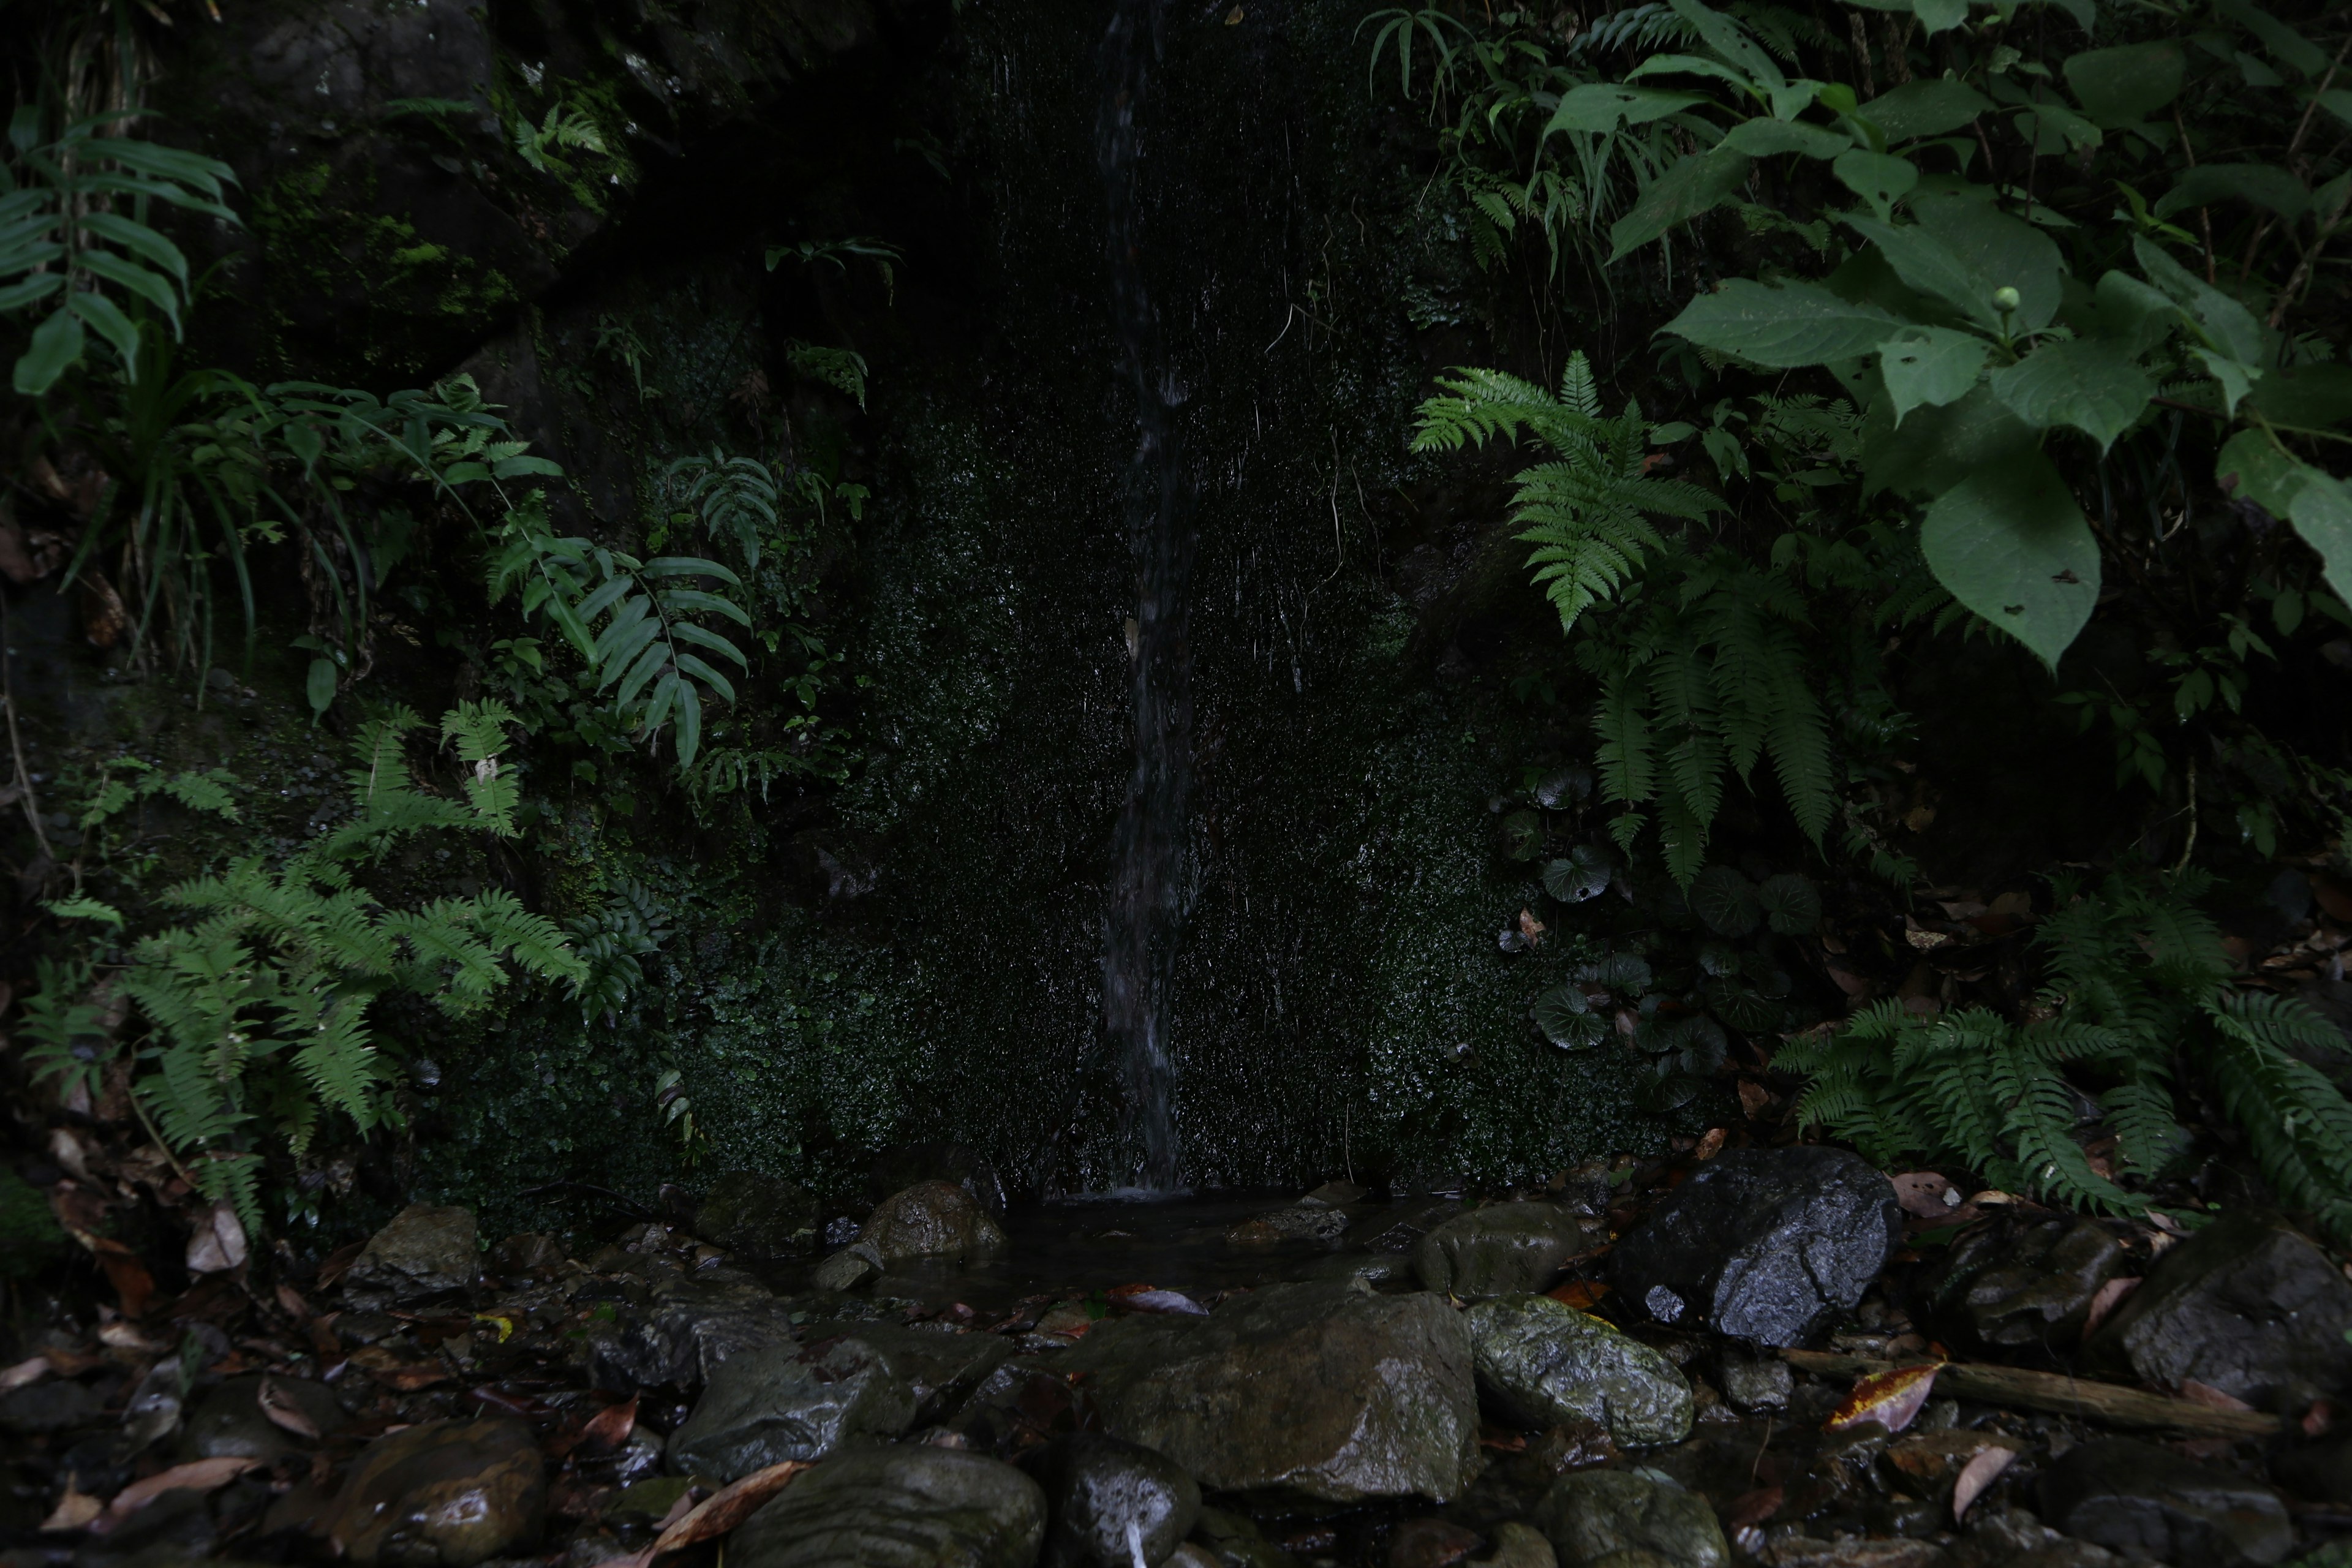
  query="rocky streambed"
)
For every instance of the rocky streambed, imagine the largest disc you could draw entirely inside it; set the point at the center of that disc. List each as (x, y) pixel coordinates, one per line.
(1770, 1356)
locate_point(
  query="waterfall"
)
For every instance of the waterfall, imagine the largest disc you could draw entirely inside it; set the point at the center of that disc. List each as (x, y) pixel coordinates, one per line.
(1147, 898)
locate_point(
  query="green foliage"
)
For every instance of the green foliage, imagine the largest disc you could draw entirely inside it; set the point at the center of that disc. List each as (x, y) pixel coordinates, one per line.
(2139, 989)
(838, 254)
(258, 1002)
(62, 240)
(30, 1237)
(563, 128)
(844, 370)
(612, 941)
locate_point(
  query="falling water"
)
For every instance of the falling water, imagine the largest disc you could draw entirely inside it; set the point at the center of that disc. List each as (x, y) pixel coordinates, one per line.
(1147, 881)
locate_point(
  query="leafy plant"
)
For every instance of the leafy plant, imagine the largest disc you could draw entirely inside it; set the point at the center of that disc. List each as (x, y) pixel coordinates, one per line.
(844, 370)
(258, 1006)
(562, 128)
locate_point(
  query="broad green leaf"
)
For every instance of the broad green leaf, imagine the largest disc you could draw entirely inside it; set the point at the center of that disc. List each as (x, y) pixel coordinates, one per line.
(40, 286)
(1693, 185)
(523, 466)
(1941, 15)
(1878, 178)
(2132, 312)
(2262, 185)
(1726, 901)
(688, 567)
(701, 668)
(1604, 105)
(2090, 384)
(83, 907)
(1769, 138)
(2125, 85)
(151, 287)
(1936, 449)
(138, 239)
(2310, 397)
(2228, 324)
(1932, 365)
(2253, 467)
(2010, 543)
(2000, 249)
(1795, 324)
(1928, 106)
(690, 724)
(1792, 905)
(2322, 513)
(2236, 377)
(319, 686)
(1727, 38)
(1925, 263)
(702, 636)
(57, 344)
(1691, 65)
(2288, 47)
(2057, 132)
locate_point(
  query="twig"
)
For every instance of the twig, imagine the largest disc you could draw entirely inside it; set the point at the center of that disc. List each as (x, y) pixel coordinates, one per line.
(2204, 214)
(2055, 1391)
(15, 741)
(2189, 847)
(2319, 239)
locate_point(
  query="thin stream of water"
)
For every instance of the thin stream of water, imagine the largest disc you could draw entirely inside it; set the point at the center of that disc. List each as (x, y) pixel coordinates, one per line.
(1143, 920)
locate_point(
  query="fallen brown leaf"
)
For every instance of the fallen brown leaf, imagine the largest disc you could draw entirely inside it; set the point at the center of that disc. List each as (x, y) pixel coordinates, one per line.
(197, 1475)
(727, 1508)
(2210, 1397)
(1924, 1195)
(24, 1373)
(609, 1428)
(1753, 1098)
(1753, 1508)
(1579, 1294)
(283, 1411)
(1975, 1476)
(291, 1301)
(1890, 1398)
(396, 1372)
(1710, 1145)
(2109, 1298)
(330, 1268)
(75, 1510)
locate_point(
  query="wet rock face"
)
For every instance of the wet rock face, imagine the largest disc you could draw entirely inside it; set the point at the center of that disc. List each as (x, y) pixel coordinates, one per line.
(758, 1217)
(446, 1494)
(1763, 1245)
(1399, 1230)
(764, 1407)
(916, 1507)
(1543, 1364)
(2138, 1499)
(427, 1251)
(1629, 1518)
(2246, 1306)
(1107, 1501)
(687, 1327)
(1318, 1223)
(2016, 1285)
(930, 1219)
(233, 1421)
(1375, 1393)
(1502, 1248)
(905, 1164)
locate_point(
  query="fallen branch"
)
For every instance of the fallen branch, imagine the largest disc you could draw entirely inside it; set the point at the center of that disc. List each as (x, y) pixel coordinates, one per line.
(2104, 1402)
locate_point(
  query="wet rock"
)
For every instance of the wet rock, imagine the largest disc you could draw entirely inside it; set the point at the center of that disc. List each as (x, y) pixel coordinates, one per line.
(427, 1251)
(2247, 1306)
(687, 1326)
(1936, 1458)
(1235, 1541)
(941, 1367)
(1318, 1223)
(847, 1269)
(1629, 1518)
(1543, 1364)
(1856, 1552)
(1754, 1383)
(1502, 1248)
(528, 1253)
(2320, 1471)
(2137, 1498)
(1519, 1545)
(52, 1404)
(1023, 1402)
(2010, 1283)
(446, 1494)
(1768, 1244)
(930, 1219)
(903, 1165)
(764, 1407)
(647, 1502)
(1337, 1194)
(1111, 1503)
(1374, 1393)
(2012, 1538)
(176, 1528)
(758, 1216)
(1398, 1228)
(1374, 1269)
(913, 1506)
(1432, 1544)
(230, 1422)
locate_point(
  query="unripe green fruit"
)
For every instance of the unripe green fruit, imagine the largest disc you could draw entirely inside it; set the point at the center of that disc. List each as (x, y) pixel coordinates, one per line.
(2007, 298)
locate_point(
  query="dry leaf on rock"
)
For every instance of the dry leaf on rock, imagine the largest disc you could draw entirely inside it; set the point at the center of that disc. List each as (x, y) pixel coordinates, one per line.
(1890, 1398)
(197, 1475)
(218, 1243)
(24, 1373)
(1975, 1476)
(75, 1510)
(727, 1508)
(2210, 1397)
(282, 1410)
(1924, 1195)
(1579, 1294)
(2109, 1298)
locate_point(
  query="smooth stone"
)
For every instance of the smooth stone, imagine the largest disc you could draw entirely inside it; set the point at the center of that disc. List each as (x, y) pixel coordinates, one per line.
(943, 1367)
(1502, 1248)
(427, 1251)
(688, 1326)
(904, 1164)
(647, 1502)
(2135, 1497)
(847, 1269)
(1318, 1223)
(758, 1216)
(1400, 1228)
(1327, 1390)
(1373, 1269)
(1857, 1552)
(1754, 1383)
(1023, 1402)
(1235, 1540)
(1337, 1194)
(1543, 1364)
(1432, 1544)
(2247, 1306)
(52, 1404)
(2012, 1537)
(2009, 1284)
(1521, 1545)
(930, 1219)
(911, 1506)
(229, 1422)
(527, 1252)
(446, 1494)
(1597, 1517)
(765, 1406)
(1106, 1500)
(1769, 1245)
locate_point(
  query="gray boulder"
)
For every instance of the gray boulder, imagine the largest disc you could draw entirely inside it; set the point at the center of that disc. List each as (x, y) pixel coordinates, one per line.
(2010, 1284)
(930, 1219)
(1399, 1227)
(2143, 1500)
(1108, 1500)
(2247, 1306)
(1543, 1365)
(1629, 1519)
(1769, 1245)
(1502, 1248)
(942, 1367)
(1318, 1387)
(758, 1216)
(686, 1326)
(427, 1251)
(912, 1507)
(765, 1406)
